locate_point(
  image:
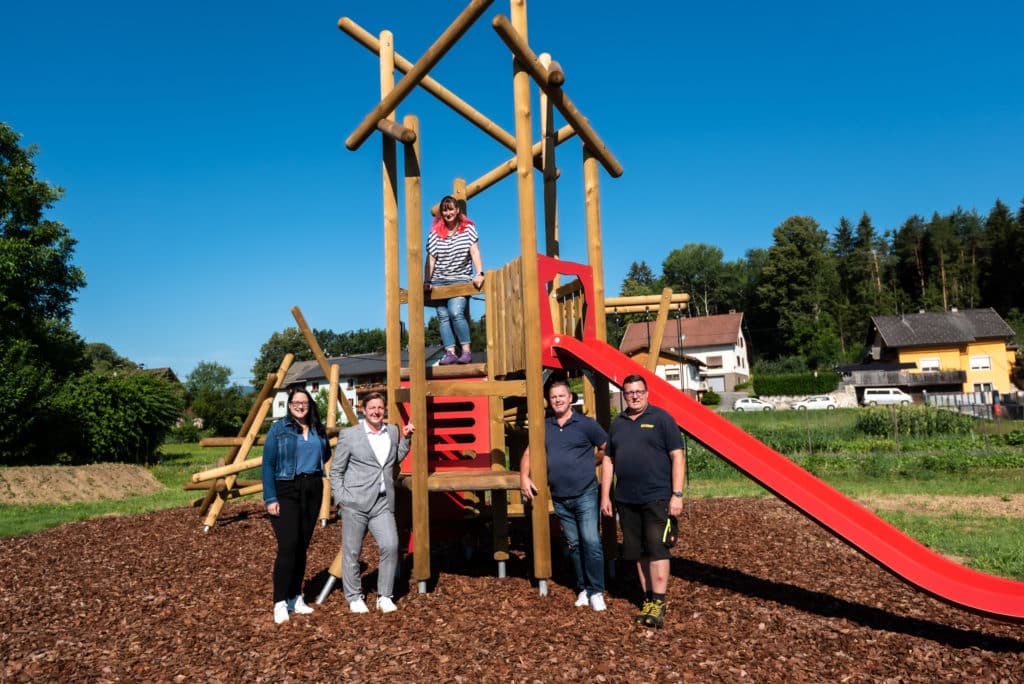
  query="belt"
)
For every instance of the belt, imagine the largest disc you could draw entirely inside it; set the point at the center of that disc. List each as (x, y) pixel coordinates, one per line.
(309, 476)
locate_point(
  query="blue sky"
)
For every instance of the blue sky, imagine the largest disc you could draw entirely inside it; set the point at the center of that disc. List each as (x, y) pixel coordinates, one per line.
(201, 145)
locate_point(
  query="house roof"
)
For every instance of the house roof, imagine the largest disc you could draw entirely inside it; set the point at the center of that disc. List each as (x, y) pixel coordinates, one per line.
(940, 327)
(700, 331)
(360, 365)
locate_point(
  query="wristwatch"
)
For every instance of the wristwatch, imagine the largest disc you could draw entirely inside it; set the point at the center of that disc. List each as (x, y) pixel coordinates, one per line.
(678, 492)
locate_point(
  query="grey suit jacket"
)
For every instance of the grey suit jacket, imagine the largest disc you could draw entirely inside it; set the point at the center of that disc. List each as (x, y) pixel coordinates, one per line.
(356, 473)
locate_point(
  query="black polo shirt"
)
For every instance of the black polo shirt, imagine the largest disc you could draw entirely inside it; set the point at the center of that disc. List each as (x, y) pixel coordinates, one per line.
(640, 449)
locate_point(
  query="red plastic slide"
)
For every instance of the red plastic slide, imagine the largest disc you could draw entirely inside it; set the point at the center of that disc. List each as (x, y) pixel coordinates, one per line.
(991, 596)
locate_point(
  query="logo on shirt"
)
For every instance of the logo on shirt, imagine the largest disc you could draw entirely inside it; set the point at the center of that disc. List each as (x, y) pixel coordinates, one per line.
(646, 426)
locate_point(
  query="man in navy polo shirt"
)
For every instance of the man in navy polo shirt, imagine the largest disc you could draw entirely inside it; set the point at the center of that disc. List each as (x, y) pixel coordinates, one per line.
(570, 440)
(645, 454)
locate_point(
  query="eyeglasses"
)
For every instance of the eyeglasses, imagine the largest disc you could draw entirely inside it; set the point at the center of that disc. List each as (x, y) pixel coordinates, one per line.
(299, 404)
(635, 393)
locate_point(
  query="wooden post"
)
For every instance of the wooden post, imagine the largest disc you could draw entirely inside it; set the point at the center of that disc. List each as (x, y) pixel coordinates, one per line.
(417, 359)
(321, 360)
(547, 131)
(654, 352)
(389, 157)
(528, 248)
(415, 75)
(332, 422)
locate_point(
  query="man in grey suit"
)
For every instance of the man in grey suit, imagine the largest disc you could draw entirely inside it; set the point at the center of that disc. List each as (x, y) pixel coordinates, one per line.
(363, 485)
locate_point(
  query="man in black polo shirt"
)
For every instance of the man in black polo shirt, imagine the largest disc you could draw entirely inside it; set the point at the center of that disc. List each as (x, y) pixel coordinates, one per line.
(645, 453)
(569, 441)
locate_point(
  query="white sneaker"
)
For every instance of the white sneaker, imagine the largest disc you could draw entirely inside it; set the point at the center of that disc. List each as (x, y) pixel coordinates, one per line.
(299, 606)
(597, 602)
(358, 606)
(386, 605)
(582, 600)
(280, 612)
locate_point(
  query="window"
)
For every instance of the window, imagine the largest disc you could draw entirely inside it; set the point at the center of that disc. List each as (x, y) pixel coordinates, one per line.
(672, 374)
(714, 362)
(315, 388)
(930, 364)
(983, 362)
(983, 387)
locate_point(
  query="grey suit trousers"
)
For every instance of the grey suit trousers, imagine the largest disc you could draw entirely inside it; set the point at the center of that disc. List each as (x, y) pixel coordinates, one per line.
(381, 523)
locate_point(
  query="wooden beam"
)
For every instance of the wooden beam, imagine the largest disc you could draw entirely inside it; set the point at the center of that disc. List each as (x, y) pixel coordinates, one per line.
(396, 131)
(466, 480)
(654, 352)
(498, 388)
(321, 360)
(677, 298)
(507, 168)
(366, 39)
(646, 308)
(516, 42)
(392, 256)
(227, 441)
(415, 75)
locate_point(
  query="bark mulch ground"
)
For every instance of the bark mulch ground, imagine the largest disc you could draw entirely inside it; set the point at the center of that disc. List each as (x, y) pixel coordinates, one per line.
(757, 593)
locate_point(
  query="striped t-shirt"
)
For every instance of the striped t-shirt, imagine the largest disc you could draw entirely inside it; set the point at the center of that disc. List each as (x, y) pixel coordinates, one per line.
(452, 262)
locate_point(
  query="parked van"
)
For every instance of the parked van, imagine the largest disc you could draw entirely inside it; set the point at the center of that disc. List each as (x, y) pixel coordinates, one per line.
(873, 396)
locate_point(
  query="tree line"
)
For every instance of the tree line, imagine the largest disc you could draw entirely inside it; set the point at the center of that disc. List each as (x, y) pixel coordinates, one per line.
(812, 293)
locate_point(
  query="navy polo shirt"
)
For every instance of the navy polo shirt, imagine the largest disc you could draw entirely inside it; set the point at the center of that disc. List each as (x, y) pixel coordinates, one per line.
(570, 452)
(640, 449)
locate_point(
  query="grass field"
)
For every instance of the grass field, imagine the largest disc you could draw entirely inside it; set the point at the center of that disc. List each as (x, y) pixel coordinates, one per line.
(896, 469)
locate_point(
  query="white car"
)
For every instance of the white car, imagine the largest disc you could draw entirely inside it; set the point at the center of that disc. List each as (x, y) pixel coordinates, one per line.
(751, 404)
(819, 401)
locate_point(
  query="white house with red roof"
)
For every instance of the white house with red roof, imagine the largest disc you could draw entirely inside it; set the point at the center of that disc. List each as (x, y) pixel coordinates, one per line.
(697, 354)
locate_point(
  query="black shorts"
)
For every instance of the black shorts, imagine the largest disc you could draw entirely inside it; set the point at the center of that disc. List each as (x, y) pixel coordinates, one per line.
(642, 527)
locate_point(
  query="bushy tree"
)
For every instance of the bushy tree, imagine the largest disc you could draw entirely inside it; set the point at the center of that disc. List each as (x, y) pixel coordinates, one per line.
(108, 417)
(222, 406)
(38, 284)
(800, 282)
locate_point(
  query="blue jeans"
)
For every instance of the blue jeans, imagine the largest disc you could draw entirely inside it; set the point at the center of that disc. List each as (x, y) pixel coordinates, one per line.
(451, 318)
(579, 517)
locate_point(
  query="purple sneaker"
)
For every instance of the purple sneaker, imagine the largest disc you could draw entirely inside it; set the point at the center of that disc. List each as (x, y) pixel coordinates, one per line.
(467, 357)
(448, 359)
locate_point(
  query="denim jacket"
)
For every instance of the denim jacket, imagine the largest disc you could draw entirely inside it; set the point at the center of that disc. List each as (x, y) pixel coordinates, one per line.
(279, 455)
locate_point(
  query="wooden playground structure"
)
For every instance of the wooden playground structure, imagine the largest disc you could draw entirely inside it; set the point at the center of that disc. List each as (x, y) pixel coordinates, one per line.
(471, 418)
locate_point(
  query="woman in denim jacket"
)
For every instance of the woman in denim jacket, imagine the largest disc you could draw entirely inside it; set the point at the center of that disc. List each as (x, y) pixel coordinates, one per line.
(293, 469)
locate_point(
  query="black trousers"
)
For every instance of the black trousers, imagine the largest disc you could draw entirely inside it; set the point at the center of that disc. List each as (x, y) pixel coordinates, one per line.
(300, 505)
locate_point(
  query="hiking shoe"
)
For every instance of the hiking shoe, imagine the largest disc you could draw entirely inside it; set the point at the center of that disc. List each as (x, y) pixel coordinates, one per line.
(656, 615)
(466, 357)
(386, 605)
(280, 612)
(597, 602)
(448, 360)
(358, 606)
(645, 612)
(582, 599)
(299, 606)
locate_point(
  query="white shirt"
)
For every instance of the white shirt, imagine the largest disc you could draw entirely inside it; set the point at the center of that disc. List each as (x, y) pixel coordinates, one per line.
(380, 442)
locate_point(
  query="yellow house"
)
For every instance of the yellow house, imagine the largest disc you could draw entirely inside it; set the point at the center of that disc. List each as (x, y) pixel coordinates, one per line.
(967, 347)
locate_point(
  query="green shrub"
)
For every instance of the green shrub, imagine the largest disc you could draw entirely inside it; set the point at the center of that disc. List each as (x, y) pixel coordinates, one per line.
(795, 383)
(912, 421)
(122, 417)
(711, 398)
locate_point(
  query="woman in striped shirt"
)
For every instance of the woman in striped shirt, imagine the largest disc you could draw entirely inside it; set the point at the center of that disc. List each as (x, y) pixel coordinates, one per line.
(453, 256)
